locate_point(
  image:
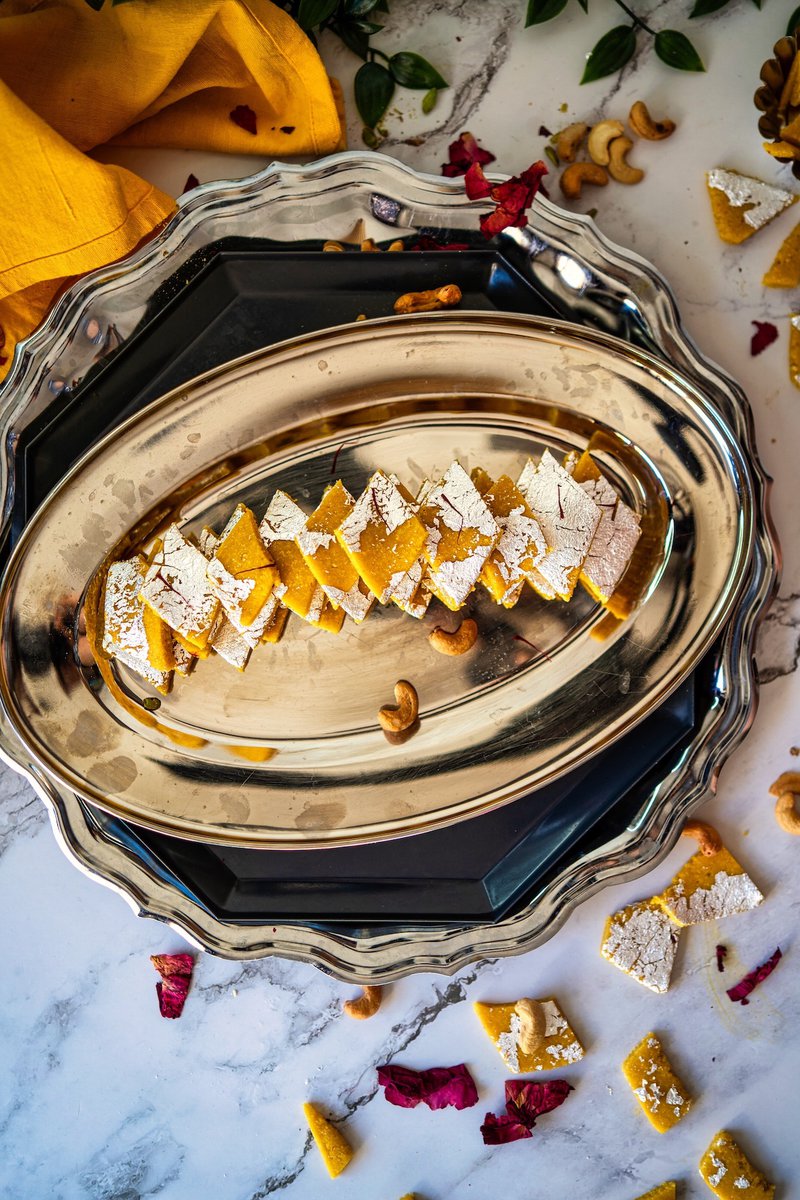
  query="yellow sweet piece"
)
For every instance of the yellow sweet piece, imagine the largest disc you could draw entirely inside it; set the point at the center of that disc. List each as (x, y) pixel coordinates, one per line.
(741, 205)
(519, 548)
(460, 535)
(325, 558)
(664, 1191)
(334, 1147)
(193, 648)
(382, 536)
(482, 480)
(132, 633)
(275, 627)
(176, 588)
(298, 590)
(785, 269)
(249, 566)
(558, 1048)
(641, 940)
(708, 888)
(794, 349)
(160, 653)
(655, 1085)
(729, 1173)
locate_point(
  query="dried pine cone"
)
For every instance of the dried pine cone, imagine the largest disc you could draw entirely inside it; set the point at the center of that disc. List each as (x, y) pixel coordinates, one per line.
(778, 99)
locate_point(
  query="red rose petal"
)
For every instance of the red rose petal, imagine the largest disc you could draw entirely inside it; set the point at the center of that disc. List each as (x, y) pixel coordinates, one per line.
(245, 118)
(512, 197)
(721, 952)
(476, 184)
(191, 182)
(498, 1131)
(424, 242)
(3, 359)
(438, 1087)
(764, 336)
(176, 975)
(462, 153)
(752, 979)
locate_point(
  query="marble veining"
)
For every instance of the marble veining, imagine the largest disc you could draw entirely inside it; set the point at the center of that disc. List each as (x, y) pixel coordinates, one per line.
(101, 1099)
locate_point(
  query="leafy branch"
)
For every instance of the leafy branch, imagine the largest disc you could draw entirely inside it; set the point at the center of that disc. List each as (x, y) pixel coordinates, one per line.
(618, 46)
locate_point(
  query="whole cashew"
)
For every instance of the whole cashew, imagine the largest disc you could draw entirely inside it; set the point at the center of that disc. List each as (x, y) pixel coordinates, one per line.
(333, 246)
(532, 1024)
(395, 719)
(569, 139)
(708, 840)
(396, 245)
(458, 642)
(367, 1003)
(600, 137)
(787, 789)
(642, 123)
(576, 175)
(618, 167)
(368, 246)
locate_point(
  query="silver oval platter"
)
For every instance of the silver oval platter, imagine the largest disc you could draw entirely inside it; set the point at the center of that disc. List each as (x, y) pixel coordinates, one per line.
(289, 752)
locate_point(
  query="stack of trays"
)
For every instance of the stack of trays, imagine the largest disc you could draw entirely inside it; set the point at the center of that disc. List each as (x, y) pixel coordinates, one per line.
(264, 812)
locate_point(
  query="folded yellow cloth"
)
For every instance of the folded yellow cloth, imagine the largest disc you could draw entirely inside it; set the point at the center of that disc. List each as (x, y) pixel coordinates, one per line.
(144, 73)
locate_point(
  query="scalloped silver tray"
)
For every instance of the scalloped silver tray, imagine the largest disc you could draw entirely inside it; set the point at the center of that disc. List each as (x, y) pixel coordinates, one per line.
(585, 278)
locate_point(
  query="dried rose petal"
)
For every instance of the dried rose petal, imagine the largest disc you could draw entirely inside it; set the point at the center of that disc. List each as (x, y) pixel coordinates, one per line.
(753, 978)
(721, 952)
(424, 242)
(524, 1103)
(245, 118)
(476, 184)
(3, 359)
(497, 1131)
(438, 1087)
(764, 336)
(463, 152)
(176, 975)
(545, 132)
(527, 1101)
(287, 128)
(191, 182)
(511, 198)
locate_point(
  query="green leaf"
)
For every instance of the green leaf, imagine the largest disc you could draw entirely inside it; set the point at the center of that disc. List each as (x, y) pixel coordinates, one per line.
(794, 21)
(584, 5)
(359, 8)
(313, 13)
(374, 88)
(540, 11)
(703, 7)
(382, 6)
(355, 39)
(677, 51)
(757, 3)
(614, 49)
(429, 100)
(414, 71)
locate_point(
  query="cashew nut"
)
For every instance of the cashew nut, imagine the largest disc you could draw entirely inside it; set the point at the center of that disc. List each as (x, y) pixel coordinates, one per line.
(333, 246)
(576, 175)
(787, 789)
(395, 719)
(458, 642)
(532, 1024)
(600, 137)
(569, 139)
(642, 123)
(367, 1003)
(414, 302)
(618, 167)
(708, 840)
(368, 246)
(398, 245)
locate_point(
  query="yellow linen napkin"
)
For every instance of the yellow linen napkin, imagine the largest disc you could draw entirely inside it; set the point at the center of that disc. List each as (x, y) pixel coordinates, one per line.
(145, 73)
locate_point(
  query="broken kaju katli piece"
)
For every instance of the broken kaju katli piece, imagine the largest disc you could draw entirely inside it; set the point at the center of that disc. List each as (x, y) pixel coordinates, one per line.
(461, 534)
(742, 205)
(177, 589)
(662, 1191)
(655, 1085)
(642, 941)
(334, 1147)
(241, 571)
(132, 632)
(729, 1173)
(382, 536)
(568, 517)
(326, 559)
(230, 638)
(520, 547)
(617, 534)
(707, 888)
(505, 1025)
(298, 590)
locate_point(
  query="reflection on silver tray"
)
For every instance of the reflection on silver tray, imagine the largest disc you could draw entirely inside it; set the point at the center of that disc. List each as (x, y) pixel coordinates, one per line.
(583, 276)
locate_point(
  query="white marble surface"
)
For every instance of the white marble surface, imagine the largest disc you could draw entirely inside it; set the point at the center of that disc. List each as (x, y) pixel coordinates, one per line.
(100, 1098)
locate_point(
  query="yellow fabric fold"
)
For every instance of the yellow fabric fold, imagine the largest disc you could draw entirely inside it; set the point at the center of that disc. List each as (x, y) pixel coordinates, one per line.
(166, 74)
